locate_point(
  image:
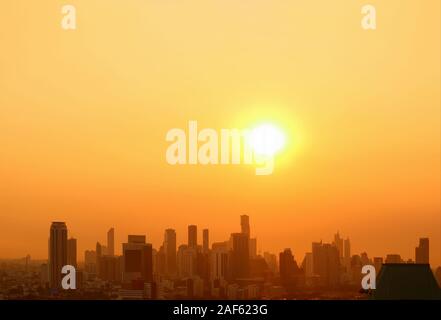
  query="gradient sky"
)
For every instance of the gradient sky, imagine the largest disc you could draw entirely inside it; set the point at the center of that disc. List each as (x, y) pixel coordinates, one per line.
(83, 118)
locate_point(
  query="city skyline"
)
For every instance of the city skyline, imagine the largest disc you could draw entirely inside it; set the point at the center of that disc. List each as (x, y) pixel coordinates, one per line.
(343, 245)
(230, 269)
(227, 269)
(194, 233)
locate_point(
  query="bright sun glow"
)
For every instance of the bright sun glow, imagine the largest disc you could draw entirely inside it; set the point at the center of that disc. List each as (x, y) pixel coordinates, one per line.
(267, 140)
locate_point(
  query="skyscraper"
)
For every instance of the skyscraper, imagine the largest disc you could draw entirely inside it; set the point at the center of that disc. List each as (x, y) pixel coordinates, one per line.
(90, 261)
(57, 252)
(239, 256)
(170, 251)
(192, 236)
(99, 254)
(347, 249)
(326, 263)
(137, 259)
(288, 267)
(271, 261)
(307, 265)
(245, 224)
(110, 268)
(187, 261)
(422, 251)
(219, 261)
(111, 242)
(72, 252)
(205, 239)
(338, 242)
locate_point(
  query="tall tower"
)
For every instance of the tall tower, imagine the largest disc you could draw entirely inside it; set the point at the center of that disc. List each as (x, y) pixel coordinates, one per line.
(57, 252)
(239, 256)
(111, 242)
(99, 254)
(170, 251)
(338, 242)
(192, 236)
(72, 252)
(422, 251)
(347, 249)
(245, 224)
(205, 241)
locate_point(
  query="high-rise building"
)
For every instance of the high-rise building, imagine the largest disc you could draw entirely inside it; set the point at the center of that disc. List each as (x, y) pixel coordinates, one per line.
(192, 236)
(239, 255)
(72, 252)
(338, 242)
(288, 267)
(271, 261)
(205, 241)
(170, 251)
(110, 268)
(307, 265)
(422, 251)
(57, 252)
(219, 261)
(111, 242)
(137, 259)
(141, 239)
(187, 261)
(99, 254)
(90, 261)
(326, 263)
(245, 224)
(347, 249)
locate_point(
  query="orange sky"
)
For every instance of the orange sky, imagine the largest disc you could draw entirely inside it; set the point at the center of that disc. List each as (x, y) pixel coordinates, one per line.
(84, 113)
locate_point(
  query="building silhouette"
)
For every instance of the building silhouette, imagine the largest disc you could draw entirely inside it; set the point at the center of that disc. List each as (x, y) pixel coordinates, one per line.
(239, 255)
(187, 261)
(192, 236)
(245, 224)
(205, 241)
(422, 251)
(347, 249)
(57, 252)
(406, 281)
(99, 254)
(137, 260)
(393, 258)
(110, 268)
(169, 248)
(72, 252)
(219, 261)
(111, 242)
(90, 261)
(326, 263)
(288, 268)
(338, 243)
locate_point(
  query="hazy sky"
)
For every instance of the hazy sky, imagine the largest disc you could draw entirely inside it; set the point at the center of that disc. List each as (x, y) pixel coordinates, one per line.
(84, 113)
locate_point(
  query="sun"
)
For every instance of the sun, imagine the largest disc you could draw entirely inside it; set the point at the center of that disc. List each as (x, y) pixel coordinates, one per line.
(266, 140)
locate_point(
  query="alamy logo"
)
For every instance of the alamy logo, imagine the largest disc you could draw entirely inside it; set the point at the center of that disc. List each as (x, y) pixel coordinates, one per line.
(228, 146)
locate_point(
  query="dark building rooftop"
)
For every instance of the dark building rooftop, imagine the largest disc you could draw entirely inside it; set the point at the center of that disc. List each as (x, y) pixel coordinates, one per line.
(405, 282)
